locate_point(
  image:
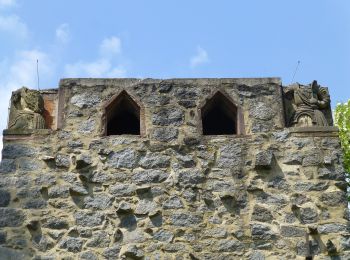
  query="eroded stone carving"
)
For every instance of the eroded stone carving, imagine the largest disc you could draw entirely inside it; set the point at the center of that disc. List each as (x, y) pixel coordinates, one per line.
(26, 111)
(308, 101)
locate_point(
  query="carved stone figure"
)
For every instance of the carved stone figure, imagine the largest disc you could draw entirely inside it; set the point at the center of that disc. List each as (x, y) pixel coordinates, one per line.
(308, 101)
(26, 111)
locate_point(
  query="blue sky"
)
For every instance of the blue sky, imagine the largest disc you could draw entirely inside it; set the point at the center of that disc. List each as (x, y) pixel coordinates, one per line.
(182, 38)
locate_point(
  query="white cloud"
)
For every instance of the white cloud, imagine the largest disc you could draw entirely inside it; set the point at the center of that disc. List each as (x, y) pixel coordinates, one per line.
(12, 24)
(96, 69)
(110, 47)
(102, 66)
(63, 33)
(200, 58)
(7, 3)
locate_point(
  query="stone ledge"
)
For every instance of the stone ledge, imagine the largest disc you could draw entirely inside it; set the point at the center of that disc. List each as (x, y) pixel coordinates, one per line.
(26, 132)
(314, 131)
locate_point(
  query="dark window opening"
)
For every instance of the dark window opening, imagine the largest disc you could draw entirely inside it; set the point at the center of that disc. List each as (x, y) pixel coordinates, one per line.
(219, 116)
(123, 116)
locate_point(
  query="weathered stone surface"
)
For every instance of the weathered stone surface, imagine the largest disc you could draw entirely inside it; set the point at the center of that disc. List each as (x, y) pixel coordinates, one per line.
(183, 219)
(5, 198)
(11, 217)
(121, 190)
(163, 236)
(126, 158)
(71, 244)
(261, 214)
(173, 202)
(7, 166)
(148, 176)
(333, 199)
(88, 219)
(165, 134)
(170, 192)
(11, 254)
(166, 116)
(99, 239)
(98, 202)
(85, 100)
(187, 178)
(291, 231)
(155, 160)
(263, 159)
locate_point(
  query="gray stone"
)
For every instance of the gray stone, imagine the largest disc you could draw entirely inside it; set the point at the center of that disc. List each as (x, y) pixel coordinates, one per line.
(82, 161)
(99, 239)
(100, 177)
(58, 191)
(345, 242)
(163, 236)
(134, 236)
(310, 186)
(310, 249)
(186, 161)
(78, 188)
(148, 176)
(229, 246)
(263, 159)
(292, 231)
(35, 204)
(71, 244)
(7, 166)
(122, 190)
(261, 214)
(46, 179)
(331, 248)
(168, 116)
(334, 198)
(256, 255)
(88, 219)
(215, 233)
(87, 127)
(229, 155)
(155, 160)
(184, 219)
(3, 236)
(62, 160)
(279, 183)
(261, 232)
(221, 186)
(144, 207)
(133, 252)
(262, 112)
(28, 165)
(56, 223)
(75, 144)
(5, 198)
(165, 134)
(291, 158)
(173, 202)
(11, 254)
(112, 253)
(332, 228)
(85, 100)
(308, 215)
(187, 103)
(98, 202)
(13, 151)
(190, 177)
(312, 158)
(126, 158)
(88, 255)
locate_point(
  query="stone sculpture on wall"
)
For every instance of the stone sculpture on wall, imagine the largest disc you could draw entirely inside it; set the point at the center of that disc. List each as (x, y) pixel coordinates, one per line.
(308, 101)
(26, 111)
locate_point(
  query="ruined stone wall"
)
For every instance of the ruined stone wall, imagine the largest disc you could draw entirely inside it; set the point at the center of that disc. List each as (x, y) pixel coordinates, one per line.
(269, 192)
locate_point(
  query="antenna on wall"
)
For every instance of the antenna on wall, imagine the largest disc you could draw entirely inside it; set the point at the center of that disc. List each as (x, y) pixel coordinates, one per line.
(295, 71)
(37, 72)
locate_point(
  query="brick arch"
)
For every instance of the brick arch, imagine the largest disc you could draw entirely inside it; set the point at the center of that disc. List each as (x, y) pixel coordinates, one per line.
(219, 114)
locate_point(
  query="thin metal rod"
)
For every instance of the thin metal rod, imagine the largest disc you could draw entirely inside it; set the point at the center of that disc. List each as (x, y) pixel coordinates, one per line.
(295, 71)
(37, 72)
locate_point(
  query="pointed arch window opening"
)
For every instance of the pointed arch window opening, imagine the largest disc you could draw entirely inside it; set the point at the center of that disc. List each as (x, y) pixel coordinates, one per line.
(123, 116)
(219, 116)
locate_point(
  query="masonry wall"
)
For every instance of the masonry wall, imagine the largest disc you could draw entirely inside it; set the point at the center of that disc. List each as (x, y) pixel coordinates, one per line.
(271, 192)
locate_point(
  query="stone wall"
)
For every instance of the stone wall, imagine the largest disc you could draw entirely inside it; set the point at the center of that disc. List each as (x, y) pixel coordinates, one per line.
(270, 192)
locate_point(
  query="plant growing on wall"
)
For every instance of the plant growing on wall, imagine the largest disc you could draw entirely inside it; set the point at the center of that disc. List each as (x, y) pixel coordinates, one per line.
(342, 120)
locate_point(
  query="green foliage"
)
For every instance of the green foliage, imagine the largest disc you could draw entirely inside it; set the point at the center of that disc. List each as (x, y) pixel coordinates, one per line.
(342, 120)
